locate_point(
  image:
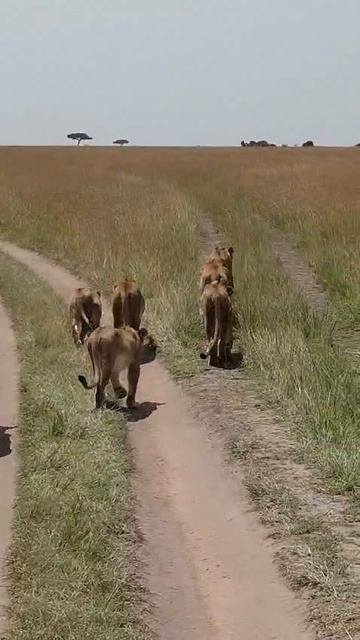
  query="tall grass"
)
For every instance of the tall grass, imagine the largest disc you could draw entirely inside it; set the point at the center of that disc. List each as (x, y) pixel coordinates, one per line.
(108, 226)
(291, 350)
(313, 193)
(76, 204)
(73, 567)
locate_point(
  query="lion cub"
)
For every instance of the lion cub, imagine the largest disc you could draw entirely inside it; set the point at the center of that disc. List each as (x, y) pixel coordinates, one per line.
(216, 310)
(111, 351)
(128, 304)
(218, 267)
(85, 313)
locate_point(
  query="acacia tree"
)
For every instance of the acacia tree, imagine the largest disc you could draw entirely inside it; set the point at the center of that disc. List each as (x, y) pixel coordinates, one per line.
(121, 141)
(79, 137)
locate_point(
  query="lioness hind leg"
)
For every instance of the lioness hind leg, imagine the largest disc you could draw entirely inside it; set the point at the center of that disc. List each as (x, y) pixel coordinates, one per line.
(213, 360)
(84, 332)
(100, 389)
(209, 321)
(119, 390)
(100, 396)
(133, 377)
(75, 333)
(229, 342)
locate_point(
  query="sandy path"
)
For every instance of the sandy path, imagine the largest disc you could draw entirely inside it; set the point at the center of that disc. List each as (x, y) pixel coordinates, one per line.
(8, 418)
(208, 560)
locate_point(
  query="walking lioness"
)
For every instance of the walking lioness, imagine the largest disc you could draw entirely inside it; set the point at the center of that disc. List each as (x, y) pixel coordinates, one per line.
(85, 313)
(128, 304)
(218, 267)
(111, 351)
(217, 314)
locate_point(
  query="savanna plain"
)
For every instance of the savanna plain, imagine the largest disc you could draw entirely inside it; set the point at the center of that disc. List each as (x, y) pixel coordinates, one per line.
(293, 219)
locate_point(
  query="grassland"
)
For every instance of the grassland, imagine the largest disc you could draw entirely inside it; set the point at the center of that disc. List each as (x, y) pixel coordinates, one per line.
(108, 226)
(110, 213)
(73, 567)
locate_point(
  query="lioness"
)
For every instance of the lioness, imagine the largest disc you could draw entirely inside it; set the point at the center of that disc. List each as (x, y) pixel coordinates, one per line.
(111, 351)
(128, 304)
(85, 313)
(218, 267)
(217, 313)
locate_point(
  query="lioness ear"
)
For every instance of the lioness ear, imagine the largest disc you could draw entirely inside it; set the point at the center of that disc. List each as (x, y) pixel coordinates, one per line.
(142, 334)
(152, 343)
(99, 293)
(114, 287)
(231, 251)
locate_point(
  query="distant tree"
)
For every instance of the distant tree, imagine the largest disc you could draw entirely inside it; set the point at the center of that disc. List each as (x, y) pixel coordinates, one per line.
(259, 143)
(308, 143)
(79, 137)
(121, 142)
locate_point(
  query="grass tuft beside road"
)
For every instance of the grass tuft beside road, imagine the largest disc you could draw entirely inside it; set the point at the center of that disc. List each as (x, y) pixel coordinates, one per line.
(73, 567)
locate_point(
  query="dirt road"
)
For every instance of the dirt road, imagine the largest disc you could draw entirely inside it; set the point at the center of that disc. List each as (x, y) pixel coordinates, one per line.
(209, 563)
(8, 417)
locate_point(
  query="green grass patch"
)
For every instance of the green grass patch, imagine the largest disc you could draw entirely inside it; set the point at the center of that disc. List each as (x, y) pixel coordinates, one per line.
(73, 567)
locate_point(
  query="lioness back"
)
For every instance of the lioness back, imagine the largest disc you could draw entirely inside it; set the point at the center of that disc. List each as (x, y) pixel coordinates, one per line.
(116, 346)
(111, 351)
(218, 267)
(128, 304)
(213, 270)
(85, 313)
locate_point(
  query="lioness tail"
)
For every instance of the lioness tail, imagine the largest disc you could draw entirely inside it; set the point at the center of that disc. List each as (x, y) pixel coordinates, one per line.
(84, 383)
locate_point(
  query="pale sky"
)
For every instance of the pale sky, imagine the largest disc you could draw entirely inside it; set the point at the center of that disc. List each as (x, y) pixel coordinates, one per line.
(176, 72)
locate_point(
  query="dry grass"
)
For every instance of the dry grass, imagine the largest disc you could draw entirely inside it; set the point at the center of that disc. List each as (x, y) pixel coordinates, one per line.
(77, 204)
(83, 211)
(115, 212)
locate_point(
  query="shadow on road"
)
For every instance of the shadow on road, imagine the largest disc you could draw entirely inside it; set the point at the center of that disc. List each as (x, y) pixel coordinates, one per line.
(142, 411)
(5, 441)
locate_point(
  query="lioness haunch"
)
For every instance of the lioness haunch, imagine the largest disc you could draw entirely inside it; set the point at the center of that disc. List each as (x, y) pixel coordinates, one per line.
(111, 351)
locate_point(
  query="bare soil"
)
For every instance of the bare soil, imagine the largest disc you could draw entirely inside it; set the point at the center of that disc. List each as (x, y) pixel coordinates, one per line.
(209, 562)
(8, 418)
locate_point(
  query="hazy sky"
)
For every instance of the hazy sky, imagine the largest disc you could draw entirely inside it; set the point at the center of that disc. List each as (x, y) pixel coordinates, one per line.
(180, 72)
